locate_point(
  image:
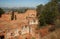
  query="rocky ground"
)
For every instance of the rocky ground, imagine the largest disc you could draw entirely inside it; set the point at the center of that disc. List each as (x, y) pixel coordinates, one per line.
(53, 35)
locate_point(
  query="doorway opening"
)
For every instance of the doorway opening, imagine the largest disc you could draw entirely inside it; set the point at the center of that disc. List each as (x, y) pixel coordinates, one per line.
(2, 37)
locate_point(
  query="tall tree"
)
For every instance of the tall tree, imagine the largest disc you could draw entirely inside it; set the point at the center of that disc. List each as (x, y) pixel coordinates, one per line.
(39, 14)
(49, 13)
(1, 12)
(39, 9)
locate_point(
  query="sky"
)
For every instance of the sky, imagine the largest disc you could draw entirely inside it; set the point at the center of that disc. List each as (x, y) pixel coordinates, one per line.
(22, 3)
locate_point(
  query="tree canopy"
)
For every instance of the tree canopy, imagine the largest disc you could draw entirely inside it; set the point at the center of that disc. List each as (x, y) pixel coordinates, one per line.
(47, 13)
(1, 12)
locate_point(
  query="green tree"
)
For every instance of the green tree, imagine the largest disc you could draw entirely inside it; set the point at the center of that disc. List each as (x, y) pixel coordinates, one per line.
(1, 12)
(49, 13)
(39, 9)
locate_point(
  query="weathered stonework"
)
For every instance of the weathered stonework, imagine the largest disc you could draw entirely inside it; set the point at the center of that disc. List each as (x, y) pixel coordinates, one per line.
(22, 28)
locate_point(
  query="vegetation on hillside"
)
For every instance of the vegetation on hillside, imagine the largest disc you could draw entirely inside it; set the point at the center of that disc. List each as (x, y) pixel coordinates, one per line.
(1, 12)
(48, 13)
